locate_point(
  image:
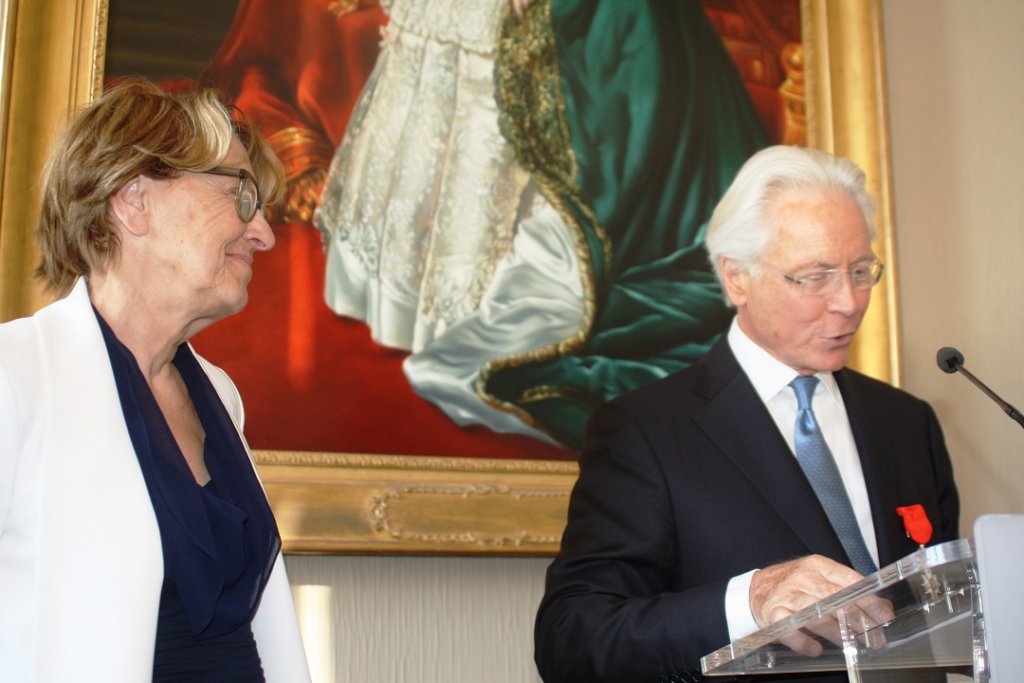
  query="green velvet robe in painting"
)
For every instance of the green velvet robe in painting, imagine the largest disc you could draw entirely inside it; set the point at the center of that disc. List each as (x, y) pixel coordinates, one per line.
(633, 120)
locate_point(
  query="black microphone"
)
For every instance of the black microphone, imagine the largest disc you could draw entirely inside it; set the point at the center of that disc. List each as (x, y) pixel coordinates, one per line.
(950, 360)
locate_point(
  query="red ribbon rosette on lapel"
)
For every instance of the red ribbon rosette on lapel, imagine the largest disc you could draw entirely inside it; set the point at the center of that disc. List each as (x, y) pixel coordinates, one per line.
(915, 521)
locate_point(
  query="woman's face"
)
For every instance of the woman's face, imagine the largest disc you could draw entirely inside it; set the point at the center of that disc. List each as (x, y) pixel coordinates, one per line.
(203, 250)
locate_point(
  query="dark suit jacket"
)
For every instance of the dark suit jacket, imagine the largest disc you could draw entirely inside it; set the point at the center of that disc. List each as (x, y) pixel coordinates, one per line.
(686, 483)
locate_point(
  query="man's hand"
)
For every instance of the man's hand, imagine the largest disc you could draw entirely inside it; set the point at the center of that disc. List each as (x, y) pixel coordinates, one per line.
(778, 591)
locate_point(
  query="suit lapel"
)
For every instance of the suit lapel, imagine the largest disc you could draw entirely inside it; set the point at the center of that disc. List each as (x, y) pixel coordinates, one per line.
(881, 474)
(760, 452)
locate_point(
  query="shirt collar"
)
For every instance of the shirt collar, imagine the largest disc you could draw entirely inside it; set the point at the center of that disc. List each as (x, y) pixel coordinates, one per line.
(768, 374)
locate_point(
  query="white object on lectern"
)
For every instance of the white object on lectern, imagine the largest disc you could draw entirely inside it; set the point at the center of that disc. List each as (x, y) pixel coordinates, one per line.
(999, 548)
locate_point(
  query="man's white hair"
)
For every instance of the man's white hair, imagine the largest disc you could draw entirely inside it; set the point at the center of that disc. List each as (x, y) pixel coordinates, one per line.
(738, 229)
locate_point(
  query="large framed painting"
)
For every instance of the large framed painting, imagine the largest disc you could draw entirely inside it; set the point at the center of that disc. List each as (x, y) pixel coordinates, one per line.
(492, 223)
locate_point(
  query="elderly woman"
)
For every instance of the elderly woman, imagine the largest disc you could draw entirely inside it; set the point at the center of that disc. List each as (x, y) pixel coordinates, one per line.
(136, 541)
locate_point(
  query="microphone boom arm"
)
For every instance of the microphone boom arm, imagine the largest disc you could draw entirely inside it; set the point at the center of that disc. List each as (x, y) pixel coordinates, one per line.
(950, 360)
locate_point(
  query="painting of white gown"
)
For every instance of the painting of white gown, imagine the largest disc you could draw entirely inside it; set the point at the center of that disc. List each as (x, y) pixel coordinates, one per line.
(435, 236)
(521, 204)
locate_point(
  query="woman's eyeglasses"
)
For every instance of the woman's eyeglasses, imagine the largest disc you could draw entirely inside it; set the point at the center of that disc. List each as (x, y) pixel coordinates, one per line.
(247, 199)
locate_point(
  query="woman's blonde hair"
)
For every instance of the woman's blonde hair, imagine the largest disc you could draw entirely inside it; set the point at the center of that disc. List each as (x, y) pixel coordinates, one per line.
(134, 129)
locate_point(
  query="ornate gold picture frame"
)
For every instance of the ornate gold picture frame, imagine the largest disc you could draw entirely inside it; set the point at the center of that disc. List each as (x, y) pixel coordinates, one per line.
(53, 54)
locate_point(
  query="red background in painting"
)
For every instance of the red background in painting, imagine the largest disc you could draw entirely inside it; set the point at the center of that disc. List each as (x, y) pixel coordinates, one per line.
(312, 381)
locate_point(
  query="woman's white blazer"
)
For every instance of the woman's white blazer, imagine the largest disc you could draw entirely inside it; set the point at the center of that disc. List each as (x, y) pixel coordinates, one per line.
(81, 565)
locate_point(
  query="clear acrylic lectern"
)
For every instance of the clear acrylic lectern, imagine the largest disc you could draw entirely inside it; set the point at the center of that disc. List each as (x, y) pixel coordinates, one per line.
(923, 612)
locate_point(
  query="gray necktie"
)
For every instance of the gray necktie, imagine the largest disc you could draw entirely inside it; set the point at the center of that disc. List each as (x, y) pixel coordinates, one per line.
(820, 468)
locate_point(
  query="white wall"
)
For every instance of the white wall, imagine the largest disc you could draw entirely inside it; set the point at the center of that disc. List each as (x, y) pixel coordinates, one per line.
(956, 84)
(424, 619)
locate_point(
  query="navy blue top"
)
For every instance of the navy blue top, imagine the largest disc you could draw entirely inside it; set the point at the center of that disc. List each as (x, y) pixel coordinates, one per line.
(179, 656)
(219, 541)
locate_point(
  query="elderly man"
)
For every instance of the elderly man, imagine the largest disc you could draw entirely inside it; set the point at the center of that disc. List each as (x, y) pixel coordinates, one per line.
(693, 500)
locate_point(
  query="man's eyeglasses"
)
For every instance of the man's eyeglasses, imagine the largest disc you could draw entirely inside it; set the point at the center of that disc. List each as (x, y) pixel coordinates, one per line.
(828, 281)
(247, 199)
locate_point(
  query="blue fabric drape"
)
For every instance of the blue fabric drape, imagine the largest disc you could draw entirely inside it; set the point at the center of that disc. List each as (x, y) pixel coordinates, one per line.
(219, 543)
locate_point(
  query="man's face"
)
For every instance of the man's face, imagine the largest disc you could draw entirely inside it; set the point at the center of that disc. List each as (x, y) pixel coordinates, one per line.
(814, 230)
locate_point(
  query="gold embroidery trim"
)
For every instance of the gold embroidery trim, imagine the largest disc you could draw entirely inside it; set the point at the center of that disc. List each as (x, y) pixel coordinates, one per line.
(340, 8)
(532, 118)
(300, 150)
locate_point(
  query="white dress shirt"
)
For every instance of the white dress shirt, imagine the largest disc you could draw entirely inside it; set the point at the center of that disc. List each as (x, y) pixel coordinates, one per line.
(771, 379)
